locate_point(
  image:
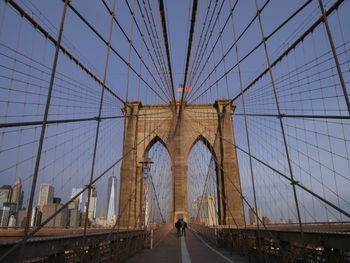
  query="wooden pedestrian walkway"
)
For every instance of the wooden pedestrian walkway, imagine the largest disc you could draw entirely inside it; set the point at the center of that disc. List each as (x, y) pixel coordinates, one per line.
(188, 249)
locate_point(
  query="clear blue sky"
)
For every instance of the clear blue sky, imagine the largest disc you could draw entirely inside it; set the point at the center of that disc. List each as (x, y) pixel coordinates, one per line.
(306, 84)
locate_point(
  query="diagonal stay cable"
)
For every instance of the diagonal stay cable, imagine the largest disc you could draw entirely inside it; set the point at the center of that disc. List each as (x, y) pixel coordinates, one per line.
(291, 47)
(200, 44)
(335, 56)
(287, 178)
(257, 46)
(31, 234)
(239, 191)
(206, 44)
(33, 123)
(189, 47)
(141, 33)
(232, 9)
(42, 132)
(226, 53)
(154, 30)
(97, 131)
(35, 24)
(132, 45)
(166, 44)
(117, 54)
(282, 115)
(151, 36)
(157, 200)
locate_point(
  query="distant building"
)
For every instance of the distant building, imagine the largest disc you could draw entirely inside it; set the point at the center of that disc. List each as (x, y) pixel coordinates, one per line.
(92, 205)
(101, 221)
(21, 217)
(45, 195)
(17, 194)
(35, 218)
(73, 217)
(74, 204)
(5, 194)
(74, 213)
(103, 212)
(113, 221)
(12, 221)
(60, 220)
(253, 216)
(8, 210)
(206, 212)
(111, 199)
(12, 206)
(145, 204)
(75, 191)
(266, 220)
(56, 200)
(5, 216)
(281, 221)
(83, 218)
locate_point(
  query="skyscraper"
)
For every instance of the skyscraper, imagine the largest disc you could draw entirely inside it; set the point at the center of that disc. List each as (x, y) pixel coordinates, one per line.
(92, 205)
(205, 207)
(74, 209)
(17, 194)
(79, 198)
(253, 216)
(4, 216)
(5, 194)
(45, 194)
(111, 201)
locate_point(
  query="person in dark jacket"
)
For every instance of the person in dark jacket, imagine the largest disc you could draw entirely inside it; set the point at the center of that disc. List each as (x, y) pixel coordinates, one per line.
(183, 227)
(178, 227)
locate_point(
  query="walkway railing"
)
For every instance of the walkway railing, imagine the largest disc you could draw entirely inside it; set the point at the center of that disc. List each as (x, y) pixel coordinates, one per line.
(99, 247)
(278, 244)
(154, 235)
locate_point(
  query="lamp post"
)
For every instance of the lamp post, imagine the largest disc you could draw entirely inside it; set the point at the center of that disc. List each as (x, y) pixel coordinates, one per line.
(146, 168)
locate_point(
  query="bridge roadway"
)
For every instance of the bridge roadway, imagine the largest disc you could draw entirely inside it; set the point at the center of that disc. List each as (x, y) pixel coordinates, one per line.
(185, 249)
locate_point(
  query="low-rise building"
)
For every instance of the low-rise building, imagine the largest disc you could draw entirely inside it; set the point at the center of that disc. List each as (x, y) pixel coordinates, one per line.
(60, 220)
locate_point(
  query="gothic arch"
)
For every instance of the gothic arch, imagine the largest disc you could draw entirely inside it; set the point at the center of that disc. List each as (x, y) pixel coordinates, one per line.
(206, 142)
(152, 142)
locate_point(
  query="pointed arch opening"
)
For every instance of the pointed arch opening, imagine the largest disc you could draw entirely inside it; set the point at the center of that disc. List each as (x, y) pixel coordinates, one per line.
(157, 184)
(202, 182)
(156, 139)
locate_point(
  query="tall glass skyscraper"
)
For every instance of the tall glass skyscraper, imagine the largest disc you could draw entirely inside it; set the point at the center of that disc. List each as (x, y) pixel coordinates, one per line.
(111, 198)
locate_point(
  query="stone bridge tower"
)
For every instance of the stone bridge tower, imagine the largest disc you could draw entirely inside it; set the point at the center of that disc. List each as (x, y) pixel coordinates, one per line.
(210, 123)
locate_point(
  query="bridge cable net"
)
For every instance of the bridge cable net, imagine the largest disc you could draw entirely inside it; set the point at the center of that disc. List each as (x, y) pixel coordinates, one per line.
(291, 112)
(290, 120)
(77, 175)
(287, 78)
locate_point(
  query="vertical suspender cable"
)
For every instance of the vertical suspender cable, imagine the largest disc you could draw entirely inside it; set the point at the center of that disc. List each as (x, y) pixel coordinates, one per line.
(98, 121)
(334, 52)
(293, 182)
(43, 129)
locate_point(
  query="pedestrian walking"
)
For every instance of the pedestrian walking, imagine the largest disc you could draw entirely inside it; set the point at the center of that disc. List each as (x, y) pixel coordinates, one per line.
(178, 227)
(183, 227)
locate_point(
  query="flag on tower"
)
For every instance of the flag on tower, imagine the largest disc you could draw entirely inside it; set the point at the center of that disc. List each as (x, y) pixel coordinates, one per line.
(188, 88)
